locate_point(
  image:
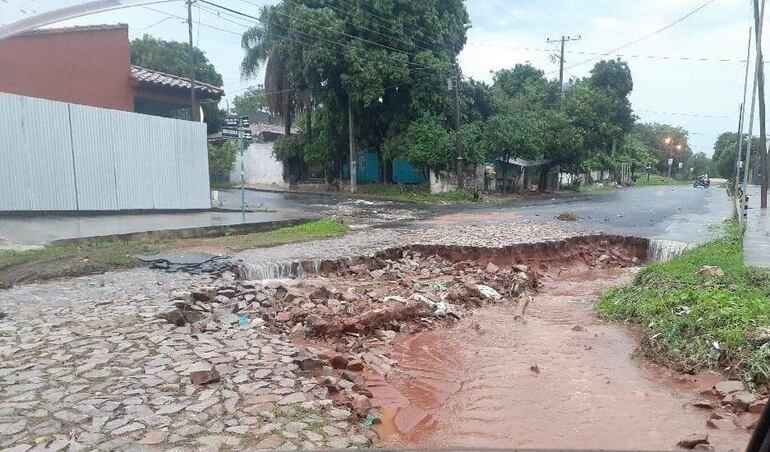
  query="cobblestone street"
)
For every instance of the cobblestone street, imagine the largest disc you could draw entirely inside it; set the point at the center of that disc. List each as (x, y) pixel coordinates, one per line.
(87, 362)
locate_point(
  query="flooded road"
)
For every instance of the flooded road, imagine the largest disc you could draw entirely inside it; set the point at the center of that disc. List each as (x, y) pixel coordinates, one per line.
(559, 379)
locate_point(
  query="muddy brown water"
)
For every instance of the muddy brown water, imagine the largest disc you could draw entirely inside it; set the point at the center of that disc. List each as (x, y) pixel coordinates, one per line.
(474, 385)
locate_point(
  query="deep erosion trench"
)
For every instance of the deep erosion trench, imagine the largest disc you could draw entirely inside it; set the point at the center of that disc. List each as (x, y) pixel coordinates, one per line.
(473, 346)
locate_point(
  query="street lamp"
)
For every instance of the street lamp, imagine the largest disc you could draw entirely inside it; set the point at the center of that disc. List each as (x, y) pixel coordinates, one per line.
(668, 142)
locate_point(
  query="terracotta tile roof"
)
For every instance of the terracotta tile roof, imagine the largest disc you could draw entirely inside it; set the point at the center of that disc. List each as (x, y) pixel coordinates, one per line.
(145, 76)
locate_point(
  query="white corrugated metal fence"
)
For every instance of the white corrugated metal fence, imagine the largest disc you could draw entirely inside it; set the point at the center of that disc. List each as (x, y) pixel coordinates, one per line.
(56, 156)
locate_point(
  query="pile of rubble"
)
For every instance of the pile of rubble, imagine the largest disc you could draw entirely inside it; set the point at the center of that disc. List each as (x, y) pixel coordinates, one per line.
(406, 294)
(348, 310)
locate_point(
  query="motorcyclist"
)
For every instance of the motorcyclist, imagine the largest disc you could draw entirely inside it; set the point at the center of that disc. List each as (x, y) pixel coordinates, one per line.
(703, 181)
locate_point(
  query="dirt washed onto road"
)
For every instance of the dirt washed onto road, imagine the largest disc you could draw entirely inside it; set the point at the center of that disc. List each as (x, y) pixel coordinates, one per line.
(559, 379)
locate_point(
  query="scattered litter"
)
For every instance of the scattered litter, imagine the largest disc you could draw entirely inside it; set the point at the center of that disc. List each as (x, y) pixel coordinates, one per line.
(371, 419)
(489, 292)
(708, 270)
(195, 263)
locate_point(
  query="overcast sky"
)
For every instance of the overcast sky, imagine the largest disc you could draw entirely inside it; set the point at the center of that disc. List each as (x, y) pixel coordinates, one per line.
(667, 88)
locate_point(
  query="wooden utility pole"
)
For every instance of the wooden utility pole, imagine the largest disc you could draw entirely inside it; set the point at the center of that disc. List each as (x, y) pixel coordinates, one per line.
(193, 109)
(562, 40)
(758, 21)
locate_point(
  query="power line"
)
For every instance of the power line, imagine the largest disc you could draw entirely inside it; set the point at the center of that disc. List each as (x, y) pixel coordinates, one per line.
(390, 21)
(389, 36)
(309, 22)
(506, 11)
(578, 52)
(695, 115)
(641, 38)
(144, 30)
(348, 46)
(202, 23)
(562, 25)
(525, 6)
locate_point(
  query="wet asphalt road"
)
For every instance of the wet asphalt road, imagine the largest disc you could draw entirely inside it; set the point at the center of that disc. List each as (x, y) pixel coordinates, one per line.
(680, 213)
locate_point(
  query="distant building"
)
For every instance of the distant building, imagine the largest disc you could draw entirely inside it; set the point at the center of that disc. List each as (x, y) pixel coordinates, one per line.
(91, 65)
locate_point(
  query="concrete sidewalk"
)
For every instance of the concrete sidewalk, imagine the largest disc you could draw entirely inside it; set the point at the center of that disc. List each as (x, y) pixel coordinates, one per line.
(21, 232)
(756, 240)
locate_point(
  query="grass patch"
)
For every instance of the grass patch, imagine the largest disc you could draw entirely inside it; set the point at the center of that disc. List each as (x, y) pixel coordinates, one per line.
(98, 257)
(596, 187)
(415, 194)
(656, 180)
(693, 322)
(224, 185)
(315, 230)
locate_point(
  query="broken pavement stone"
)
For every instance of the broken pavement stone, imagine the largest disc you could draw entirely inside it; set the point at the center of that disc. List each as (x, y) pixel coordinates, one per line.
(693, 440)
(355, 365)
(728, 387)
(704, 404)
(203, 377)
(339, 362)
(740, 400)
(758, 406)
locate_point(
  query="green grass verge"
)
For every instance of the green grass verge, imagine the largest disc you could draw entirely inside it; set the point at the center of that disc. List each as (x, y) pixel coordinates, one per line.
(414, 194)
(97, 257)
(656, 180)
(693, 322)
(315, 230)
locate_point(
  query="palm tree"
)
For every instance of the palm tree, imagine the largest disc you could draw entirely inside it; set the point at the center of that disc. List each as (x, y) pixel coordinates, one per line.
(268, 42)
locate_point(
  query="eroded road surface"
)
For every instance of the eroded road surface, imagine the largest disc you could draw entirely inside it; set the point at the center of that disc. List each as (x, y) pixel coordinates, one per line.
(559, 379)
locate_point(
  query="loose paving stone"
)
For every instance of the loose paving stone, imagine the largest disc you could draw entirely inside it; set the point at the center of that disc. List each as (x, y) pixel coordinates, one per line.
(295, 427)
(338, 443)
(132, 427)
(12, 428)
(152, 438)
(269, 442)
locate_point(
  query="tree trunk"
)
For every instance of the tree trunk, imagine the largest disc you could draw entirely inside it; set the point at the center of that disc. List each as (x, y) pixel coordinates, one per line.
(543, 182)
(309, 113)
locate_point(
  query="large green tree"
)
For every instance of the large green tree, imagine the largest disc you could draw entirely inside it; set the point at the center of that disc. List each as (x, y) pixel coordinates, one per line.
(173, 58)
(393, 72)
(250, 101)
(664, 141)
(726, 154)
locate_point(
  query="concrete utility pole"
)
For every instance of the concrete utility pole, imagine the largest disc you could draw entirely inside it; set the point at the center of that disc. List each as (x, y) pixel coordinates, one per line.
(352, 138)
(750, 138)
(562, 40)
(758, 21)
(741, 113)
(458, 142)
(193, 110)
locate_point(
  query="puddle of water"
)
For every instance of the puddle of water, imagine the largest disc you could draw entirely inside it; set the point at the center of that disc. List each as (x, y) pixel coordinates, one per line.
(475, 385)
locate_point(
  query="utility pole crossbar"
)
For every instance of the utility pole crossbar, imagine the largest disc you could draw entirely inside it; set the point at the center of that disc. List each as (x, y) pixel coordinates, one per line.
(562, 40)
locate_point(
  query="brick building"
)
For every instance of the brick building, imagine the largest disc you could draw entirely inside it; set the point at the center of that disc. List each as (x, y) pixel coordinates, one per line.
(91, 65)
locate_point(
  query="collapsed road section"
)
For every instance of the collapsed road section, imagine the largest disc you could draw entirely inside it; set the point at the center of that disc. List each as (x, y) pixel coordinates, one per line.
(345, 319)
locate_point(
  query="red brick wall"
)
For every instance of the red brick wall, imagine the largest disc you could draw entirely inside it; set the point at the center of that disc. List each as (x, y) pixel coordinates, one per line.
(88, 67)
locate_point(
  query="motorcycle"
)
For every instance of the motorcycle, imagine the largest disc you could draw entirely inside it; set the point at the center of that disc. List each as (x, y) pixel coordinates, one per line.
(705, 183)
